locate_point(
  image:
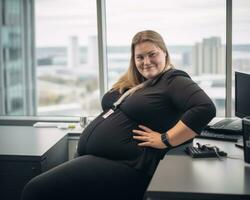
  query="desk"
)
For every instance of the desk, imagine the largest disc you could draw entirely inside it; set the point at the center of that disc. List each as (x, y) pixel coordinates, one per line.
(26, 152)
(179, 176)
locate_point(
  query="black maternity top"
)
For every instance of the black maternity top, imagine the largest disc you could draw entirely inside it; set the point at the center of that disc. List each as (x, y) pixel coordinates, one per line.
(171, 97)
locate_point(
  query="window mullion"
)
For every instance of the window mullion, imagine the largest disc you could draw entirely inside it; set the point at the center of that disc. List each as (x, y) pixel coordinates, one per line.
(102, 46)
(228, 102)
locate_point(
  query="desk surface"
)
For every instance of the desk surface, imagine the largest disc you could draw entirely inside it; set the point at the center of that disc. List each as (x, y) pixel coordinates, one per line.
(27, 140)
(179, 175)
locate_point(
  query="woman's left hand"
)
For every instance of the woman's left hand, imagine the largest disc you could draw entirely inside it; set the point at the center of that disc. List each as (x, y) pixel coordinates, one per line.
(149, 137)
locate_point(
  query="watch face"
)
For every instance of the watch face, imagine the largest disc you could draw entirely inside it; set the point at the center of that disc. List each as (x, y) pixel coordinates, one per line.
(164, 138)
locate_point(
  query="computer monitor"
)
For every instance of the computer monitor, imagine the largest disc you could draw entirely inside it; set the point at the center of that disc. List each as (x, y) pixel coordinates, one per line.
(242, 94)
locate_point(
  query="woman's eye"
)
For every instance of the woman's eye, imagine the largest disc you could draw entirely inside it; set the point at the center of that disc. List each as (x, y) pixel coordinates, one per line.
(139, 58)
(152, 54)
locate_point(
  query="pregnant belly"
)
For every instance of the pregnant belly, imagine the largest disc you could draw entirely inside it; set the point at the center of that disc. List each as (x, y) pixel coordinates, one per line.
(113, 138)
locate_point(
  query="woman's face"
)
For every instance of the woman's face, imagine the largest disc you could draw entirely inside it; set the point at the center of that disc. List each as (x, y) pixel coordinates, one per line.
(150, 60)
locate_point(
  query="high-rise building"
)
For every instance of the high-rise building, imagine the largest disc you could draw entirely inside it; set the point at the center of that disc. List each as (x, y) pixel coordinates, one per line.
(208, 57)
(73, 52)
(17, 66)
(92, 51)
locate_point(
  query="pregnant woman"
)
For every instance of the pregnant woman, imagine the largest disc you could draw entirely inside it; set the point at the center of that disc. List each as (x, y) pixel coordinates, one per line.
(152, 108)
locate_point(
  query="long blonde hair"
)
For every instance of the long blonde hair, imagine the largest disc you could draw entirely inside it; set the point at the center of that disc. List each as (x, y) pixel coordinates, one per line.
(132, 77)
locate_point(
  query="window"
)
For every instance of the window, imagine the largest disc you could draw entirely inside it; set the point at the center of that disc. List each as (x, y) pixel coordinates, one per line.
(66, 58)
(194, 32)
(49, 59)
(241, 40)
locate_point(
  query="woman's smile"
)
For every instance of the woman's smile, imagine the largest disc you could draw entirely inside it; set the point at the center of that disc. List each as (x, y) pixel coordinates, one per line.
(148, 67)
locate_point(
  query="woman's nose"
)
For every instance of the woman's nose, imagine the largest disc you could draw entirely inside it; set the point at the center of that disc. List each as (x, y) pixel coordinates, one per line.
(146, 60)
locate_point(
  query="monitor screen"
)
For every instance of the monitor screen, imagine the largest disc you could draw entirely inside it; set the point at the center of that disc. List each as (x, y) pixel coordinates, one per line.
(242, 94)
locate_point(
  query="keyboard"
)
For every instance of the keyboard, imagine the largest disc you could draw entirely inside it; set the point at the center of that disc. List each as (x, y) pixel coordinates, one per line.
(218, 136)
(195, 152)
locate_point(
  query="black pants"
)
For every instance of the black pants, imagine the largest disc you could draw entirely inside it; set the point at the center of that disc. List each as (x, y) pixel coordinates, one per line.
(87, 177)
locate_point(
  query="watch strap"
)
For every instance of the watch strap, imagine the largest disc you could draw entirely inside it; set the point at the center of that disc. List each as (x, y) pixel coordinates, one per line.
(164, 139)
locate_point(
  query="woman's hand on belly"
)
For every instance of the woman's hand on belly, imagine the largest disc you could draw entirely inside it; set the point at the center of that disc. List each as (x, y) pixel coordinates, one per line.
(149, 138)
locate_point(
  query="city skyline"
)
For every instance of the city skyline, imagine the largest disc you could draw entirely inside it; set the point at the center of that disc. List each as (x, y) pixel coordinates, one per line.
(87, 52)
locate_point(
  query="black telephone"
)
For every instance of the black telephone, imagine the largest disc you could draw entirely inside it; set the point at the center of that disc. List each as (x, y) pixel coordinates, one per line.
(204, 151)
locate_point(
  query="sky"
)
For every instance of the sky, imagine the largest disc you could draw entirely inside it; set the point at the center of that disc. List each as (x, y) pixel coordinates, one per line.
(180, 22)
